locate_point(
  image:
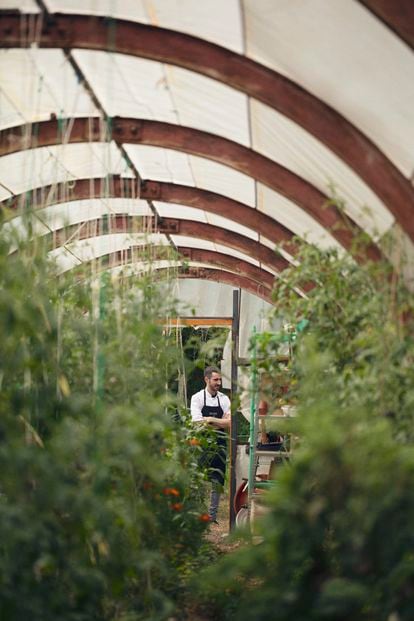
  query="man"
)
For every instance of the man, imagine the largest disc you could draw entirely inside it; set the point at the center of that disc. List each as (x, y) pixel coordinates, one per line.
(211, 407)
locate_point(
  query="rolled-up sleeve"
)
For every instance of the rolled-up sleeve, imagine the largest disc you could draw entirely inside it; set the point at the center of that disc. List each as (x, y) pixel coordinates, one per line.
(196, 405)
(226, 405)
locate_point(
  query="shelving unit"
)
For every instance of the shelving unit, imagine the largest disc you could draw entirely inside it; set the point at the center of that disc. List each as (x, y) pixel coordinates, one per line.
(255, 484)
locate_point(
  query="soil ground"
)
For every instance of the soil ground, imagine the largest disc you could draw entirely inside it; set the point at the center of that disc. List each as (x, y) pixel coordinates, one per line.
(223, 542)
(219, 534)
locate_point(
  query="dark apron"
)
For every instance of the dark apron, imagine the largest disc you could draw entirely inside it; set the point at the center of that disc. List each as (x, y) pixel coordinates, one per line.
(215, 458)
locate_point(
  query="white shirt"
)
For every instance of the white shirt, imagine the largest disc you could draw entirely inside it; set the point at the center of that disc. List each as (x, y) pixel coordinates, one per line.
(197, 403)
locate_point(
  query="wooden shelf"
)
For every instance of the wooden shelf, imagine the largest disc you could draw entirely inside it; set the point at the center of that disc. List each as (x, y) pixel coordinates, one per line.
(274, 416)
(179, 322)
(265, 484)
(261, 453)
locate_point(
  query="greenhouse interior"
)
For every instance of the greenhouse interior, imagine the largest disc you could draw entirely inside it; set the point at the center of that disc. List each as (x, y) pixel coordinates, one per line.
(206, 310)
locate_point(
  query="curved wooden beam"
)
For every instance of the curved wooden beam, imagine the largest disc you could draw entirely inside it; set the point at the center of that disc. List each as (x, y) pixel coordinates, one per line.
(331, 128)
(172, 226)
(218, 260)
(229, 263)
(119, 187)
(234, 280)
(195, 142)
(125, 258)
(220, 205)
(397, 15)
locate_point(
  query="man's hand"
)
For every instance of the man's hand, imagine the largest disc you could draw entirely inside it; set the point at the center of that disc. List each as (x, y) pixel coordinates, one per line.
(221, 423)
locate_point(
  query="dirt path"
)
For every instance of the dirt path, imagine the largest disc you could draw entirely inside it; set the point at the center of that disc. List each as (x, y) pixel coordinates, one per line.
(219, 534)
(222, 542)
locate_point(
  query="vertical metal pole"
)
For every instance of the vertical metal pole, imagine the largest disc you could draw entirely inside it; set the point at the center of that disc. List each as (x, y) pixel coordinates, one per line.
(235, 328)
(100, 330)
(253, 425)
(100, 387)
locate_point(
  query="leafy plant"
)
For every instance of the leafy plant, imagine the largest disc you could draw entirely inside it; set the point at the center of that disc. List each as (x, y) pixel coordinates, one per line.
(101, 504)
(337, 541)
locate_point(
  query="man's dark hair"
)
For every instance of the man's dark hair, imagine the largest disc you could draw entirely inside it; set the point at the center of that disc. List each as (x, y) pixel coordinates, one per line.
(210, 370)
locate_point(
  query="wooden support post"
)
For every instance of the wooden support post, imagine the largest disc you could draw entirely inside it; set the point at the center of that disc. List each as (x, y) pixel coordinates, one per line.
(233, 428)
(205, 322)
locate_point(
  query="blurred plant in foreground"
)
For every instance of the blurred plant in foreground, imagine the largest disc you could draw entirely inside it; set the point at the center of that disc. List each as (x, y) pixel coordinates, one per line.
(337, 541)
(100, 497)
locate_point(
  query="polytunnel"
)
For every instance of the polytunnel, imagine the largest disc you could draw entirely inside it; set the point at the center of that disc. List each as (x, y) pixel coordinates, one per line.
(228, 126)
(209, 140)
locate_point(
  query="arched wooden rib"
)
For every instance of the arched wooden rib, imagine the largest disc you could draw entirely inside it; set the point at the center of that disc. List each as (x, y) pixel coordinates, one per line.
(172, 226)
(397, 15)
(125, 258)
(127, 188)
(195, 142)
(266, 85)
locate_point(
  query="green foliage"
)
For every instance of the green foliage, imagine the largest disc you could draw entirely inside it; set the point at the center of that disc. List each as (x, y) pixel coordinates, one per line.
(362, 314)
(275, 366)
(243, 428)
(100, 494)
(202, 347)
(336, 542)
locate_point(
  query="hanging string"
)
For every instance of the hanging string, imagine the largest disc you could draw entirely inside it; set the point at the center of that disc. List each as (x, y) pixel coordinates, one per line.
(182, 380)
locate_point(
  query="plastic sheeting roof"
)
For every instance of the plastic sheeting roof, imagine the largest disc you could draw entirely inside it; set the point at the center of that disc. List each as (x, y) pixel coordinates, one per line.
(340, 119)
